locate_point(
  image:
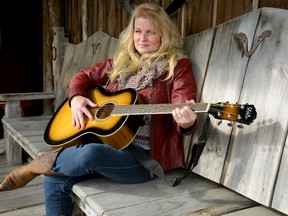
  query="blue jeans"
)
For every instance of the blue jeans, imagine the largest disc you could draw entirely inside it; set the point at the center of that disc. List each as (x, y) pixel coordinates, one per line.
(82, 162)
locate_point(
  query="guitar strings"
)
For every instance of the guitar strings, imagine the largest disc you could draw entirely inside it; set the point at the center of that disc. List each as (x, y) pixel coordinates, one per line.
(107, 109)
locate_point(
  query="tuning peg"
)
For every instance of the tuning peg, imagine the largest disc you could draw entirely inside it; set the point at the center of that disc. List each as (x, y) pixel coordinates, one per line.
(219, 114)
(240, 126)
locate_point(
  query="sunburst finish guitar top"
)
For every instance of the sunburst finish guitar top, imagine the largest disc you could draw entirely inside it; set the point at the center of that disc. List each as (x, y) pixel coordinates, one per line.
(119, 116)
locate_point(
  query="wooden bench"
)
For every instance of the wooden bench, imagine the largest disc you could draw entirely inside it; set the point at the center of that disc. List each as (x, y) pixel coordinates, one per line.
(241, 171)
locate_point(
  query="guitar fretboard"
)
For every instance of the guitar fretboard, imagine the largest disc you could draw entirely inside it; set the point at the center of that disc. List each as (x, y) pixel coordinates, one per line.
(146, 109)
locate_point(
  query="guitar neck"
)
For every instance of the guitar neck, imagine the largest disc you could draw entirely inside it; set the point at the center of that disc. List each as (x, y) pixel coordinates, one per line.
(150, 109)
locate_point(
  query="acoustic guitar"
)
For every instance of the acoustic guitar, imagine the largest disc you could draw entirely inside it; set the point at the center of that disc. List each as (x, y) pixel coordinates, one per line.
(119, 117)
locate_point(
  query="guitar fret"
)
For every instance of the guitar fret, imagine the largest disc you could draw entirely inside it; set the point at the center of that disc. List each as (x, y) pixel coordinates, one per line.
(144, 109)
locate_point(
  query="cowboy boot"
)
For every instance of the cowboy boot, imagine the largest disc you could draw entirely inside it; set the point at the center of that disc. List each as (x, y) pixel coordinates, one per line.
(21, 176)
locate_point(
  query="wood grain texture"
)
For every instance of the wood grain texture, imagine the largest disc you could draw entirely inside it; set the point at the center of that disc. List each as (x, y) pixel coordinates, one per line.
(223, 82)
(257, 210)
(195, 195)
(26, 133)
(89, 52)
(280, 198)
(24, 201)
(255, 152)
(246, 161)
(228, 10)
(198, 48)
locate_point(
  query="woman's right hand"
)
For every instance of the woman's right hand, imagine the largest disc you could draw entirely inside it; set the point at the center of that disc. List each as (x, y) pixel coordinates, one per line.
(79, 108)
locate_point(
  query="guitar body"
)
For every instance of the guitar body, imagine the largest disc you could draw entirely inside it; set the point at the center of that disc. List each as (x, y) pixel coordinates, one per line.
(118, 118)
(116, 131)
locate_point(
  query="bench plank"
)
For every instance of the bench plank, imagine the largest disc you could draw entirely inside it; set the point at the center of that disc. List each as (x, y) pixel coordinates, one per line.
(26, 96)
(258, 210)
(194, 194)
(28, 133)
(212, 201)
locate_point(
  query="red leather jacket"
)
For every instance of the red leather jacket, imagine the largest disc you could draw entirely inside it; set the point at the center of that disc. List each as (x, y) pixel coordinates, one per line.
(166, 136)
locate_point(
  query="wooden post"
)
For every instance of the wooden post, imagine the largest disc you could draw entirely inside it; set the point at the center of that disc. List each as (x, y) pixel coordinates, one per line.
(52, 16)
(13, 149)
(58, 45)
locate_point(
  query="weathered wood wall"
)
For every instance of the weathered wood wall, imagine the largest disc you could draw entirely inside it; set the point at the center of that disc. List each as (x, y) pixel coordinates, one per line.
(85, 17)
(82, 18)
(252, 160)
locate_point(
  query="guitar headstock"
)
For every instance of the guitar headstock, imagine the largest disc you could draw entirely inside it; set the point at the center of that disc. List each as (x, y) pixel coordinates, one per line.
(242, 113)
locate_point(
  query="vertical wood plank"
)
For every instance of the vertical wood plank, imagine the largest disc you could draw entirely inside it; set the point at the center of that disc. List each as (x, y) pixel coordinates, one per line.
(111, 18)
(196, 16)
(12, 109)
(58, 48)
(255, 4)
(198, 48)
(112, 47)
(255, 153)
(84, 19)
(227, 10)
(74, 19)
(272, 3)
(52, 16)
(80, 56)
(223, 82)
(78, 62)
(100, 47)
(61, 92)
(280, 198)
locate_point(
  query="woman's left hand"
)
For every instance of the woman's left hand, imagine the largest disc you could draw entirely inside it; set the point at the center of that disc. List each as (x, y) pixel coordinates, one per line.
(185, 117)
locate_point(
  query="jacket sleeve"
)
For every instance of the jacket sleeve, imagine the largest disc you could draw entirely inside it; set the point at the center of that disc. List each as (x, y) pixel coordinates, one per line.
(85, 78)
(183, 87)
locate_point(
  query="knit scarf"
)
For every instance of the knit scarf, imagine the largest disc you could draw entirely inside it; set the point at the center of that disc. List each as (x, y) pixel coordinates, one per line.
(144, 76)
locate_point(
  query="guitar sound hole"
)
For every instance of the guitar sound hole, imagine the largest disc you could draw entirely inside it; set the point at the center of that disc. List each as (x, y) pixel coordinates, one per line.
(105, 111)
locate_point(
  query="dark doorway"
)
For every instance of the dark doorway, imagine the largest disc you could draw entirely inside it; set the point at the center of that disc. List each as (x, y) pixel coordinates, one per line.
(20, 47)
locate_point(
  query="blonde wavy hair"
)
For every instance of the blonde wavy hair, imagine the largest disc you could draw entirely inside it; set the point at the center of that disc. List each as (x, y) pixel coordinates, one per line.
(126, 57)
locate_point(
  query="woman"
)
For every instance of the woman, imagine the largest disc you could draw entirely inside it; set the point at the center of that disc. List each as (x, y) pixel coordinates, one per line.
(149, 59)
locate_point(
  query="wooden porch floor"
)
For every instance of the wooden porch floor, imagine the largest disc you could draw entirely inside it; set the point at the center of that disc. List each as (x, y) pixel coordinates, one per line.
(25, 201)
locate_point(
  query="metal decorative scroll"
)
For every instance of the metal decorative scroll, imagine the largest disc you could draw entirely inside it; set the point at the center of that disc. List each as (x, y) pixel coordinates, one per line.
(244, 40)
(172, 7)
